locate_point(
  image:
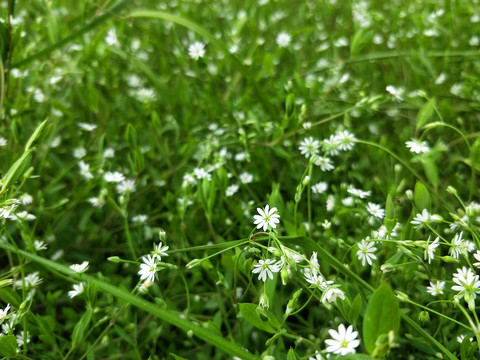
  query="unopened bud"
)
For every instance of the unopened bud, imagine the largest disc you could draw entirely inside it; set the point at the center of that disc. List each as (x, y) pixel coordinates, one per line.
(162, 235)
(264, 301)
(306, 180)
(452, 190)
(424, 317)
(114, 259)
(402, 296)
(194, 263)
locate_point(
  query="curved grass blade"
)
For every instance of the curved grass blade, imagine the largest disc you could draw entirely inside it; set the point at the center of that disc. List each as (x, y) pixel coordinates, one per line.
(262, 95)
(94, 23)
(165, 315)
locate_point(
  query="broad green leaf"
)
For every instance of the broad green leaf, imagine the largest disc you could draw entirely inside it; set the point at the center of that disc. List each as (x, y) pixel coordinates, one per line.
(381, 317)
(250, 313)
(421, 197)
(355, 309)
(8, 346)
(424, 114)
(357, 357)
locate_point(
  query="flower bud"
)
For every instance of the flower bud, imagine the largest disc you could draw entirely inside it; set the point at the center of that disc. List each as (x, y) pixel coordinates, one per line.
(194, 263)
(162, 235)
(264, 301)
(452, 190)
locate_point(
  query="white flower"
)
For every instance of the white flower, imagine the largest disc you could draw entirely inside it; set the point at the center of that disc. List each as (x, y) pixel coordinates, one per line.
(21, 337)
(457, 247)
(109, 153)
(80, 268)
(331, 145)
(430, 249)
(77, 290)
(467, 282)
(345, 139)
(343, 341)
(365, 252)
(86, 126)
(159, 251)
(125, 186)
(283, 39)
(325, 163)
(375, 210)
(3, 141)
(196, 50)
(26, 199)
(268, 217)
(418, 147)
(3, 313)
(85, 170)
(111, 38)
(397, 93)
(245, 178)
(421, 219)
(39, 245)
(319, 188)
(114, 176)
(348, 201)
(31, 280)
(309, 147)
(79, 153)
(477, 256)
(331, 293)
(140, 219)
(265, 268)
(358, 192)
(148, 269)
(436, 289)
(231, 190)
(201, 173)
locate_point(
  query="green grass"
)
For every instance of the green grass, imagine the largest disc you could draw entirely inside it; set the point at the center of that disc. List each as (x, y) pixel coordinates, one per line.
(113, 137)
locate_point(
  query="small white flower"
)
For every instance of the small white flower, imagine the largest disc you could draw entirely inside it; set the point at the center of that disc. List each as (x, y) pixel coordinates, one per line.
(436, 289)
(125, 186)
(477, 256)
(467, 282)
(31, 280)
(331, 293)
(79, 152)
(4, 313)
(319, 188)
(3, 141)
(231, 190)
(85, 170)
(80, 268)
(421, 220)
(343, 341)
(365, 252)
(345, 139)
(418, 147)
(358, 192)
(140, 219)
(265, 268)
(457, 247)
(375, 210)
(268, 217)
(397, 93)
(77, 290)
(283, 39)
(39, 245)
(309, 147)
(201, 173)
(114, 177)
(86, 126)
(245, 178)
(159, 251)
(196, 50)
(21, 338)
(430, 250)
(325, 163)
(331, 145)
(148, 269)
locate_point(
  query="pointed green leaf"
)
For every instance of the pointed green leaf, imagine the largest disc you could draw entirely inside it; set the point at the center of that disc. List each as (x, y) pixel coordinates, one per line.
(355, 309)
(249, 313)
(421, 197)
(39, 131)
(424, 114)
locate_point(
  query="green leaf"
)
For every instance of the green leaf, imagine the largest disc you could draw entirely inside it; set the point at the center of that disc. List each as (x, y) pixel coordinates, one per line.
(292, 355)
(16, 170)
(250, 313)
(176, 357)
(8, 346)
(357, 357)
(131, 137)
(424, 114)
(431, 171)
(39, 131)
(421, 197)
(80, 327)
(355, 309)
(381, 317)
